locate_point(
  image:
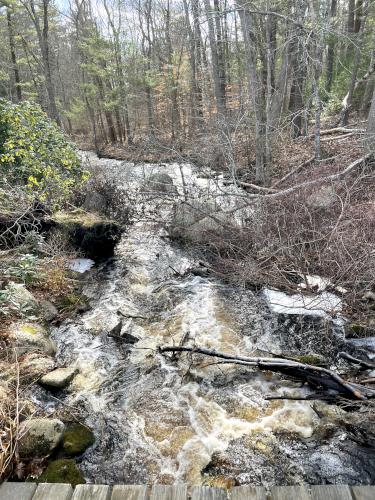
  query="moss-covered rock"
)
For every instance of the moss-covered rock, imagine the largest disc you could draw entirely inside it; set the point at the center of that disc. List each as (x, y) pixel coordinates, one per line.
(30, 337)
(62, 471)
(94, 235)
(39, 436)
(76, 439)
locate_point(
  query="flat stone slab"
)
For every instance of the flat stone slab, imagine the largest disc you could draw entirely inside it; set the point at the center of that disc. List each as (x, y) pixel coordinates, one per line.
(58, 378)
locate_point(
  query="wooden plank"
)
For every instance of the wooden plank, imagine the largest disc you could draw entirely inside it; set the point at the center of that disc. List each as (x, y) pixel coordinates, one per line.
(129, 492)
(53, 491)
(248, 493)
(363, 492)
(207, 493)
(17, 491)
(91, 492)
(331, 492)
(290, 493)
(162, 492)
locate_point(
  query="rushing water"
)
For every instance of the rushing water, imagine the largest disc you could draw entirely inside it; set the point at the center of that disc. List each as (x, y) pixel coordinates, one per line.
(159, 419)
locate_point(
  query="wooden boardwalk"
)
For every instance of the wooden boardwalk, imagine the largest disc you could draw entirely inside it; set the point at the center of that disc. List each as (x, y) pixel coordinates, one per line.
(32, 491)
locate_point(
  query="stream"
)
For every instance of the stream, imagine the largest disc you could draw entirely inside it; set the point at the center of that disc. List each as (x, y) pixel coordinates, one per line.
(158, 419)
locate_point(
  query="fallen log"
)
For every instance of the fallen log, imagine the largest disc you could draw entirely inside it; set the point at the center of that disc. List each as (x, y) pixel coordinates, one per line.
(315, 376)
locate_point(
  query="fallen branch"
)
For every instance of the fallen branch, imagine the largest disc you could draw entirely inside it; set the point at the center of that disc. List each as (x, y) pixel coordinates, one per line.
(313, 375)
(329, 178)
(357, 361)
(294, 171)
(342, 130)
(228, 182)
(339, 137)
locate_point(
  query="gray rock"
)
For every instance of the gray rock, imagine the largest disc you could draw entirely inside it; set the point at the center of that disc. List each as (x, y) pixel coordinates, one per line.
(95, 202)
(128, 338)
(324, 197)
(116, 330)
(197, 221)
(34, 365)
(200, 271)
(40, 436)
(48, 310)
(186, 214)
(30, 337)
(58, 378)
(160, 182)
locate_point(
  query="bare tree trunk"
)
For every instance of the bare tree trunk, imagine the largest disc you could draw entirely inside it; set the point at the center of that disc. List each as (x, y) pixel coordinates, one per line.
(175, 114)
(262, 174)
(195, 90)
(147, 52)
(331, 48)
(347, 102)
(220, 50)
(42, 31)
(298, 73)
(13, 57)
(120, 74)
(370, 136)
(367, 96)
(216, 70)
(351, 16)
(317, 51)
(198, 55)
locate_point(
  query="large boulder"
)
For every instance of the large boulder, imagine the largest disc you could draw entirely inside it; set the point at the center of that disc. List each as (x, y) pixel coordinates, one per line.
(40, 436)
(161, 183)
(29, 337)
(200, 222)
(76, 439)
(58, 378)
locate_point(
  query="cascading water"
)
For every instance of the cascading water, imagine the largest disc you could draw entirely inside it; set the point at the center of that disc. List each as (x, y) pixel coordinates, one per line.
(158, 419)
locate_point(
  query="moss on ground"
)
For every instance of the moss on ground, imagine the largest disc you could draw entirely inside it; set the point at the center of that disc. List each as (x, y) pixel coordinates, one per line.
(78, 217)
(310, 359)
(71, 303)
(62, 471)
(76, 439)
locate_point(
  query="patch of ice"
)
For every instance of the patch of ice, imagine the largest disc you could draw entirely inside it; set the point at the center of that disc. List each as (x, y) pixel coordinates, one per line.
(80, 265)
(324, 305)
